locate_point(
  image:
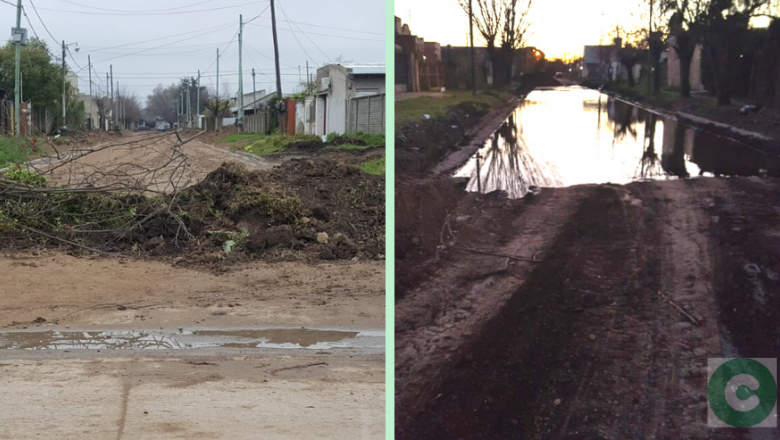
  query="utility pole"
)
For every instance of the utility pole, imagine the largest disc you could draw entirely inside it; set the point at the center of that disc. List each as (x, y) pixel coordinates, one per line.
(240, 115)
(197, 103)
(254, 90)
(113, 115)
(282, 125)
(308, 76)
(471, 37)
(108, 83)
(216, 110)
(64, 72)
(18, 73)
(189, 105)
(89, 67)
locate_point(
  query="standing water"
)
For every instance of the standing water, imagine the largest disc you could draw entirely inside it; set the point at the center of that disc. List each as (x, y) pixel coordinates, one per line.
(571, 136)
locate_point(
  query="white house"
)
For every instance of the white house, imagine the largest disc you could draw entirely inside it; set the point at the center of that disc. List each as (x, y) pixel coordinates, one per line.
(326, 111)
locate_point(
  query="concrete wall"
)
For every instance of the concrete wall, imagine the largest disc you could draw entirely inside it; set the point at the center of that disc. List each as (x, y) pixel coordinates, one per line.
(673, 68)
(365, 85)
(334, 117)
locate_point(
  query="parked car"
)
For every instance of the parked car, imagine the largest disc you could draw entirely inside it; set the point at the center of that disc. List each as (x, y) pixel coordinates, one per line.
(65, 129)
(160, 127)
(143, 128)
(559, 74)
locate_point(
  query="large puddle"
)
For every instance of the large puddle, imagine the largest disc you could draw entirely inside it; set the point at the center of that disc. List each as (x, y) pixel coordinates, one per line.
(281, 338)
(571, 135)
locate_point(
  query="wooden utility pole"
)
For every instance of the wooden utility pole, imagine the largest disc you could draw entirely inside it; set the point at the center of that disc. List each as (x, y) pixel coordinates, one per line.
(64, 74)
(216, 109)
(282, 125)
(197, 104)
(105, 118)
(471, 37)
(113, 114)
(254, 90)
(240, 114)
(18, 73)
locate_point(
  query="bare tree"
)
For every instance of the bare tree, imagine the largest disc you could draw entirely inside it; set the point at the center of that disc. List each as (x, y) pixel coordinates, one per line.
(504, 27)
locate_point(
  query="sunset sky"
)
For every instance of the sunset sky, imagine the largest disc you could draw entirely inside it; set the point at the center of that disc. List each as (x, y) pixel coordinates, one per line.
(559, 26)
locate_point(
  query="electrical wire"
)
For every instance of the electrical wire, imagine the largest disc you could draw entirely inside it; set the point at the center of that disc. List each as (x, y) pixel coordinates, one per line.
(304, 34)
(320, 35)
(163, 45)
(117, 10)
(41, 20)
(224, 25)
(141, 14)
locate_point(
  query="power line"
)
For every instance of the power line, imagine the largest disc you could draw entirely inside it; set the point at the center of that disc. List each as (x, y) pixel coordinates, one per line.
(304, 33)
(163, 45)
(296, 37)
(335, 28)
(224, 25)
(141, 14)
(151, 12)
(321, 35)
(41, 20)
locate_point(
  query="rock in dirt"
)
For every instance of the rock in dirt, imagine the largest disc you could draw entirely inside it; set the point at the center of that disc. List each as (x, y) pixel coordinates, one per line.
(322, 238)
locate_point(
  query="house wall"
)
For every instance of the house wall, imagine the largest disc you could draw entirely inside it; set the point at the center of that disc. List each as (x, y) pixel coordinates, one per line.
(365, 85)
(673, 68)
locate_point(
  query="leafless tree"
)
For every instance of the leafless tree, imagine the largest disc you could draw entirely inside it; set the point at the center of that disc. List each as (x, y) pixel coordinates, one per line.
(504, 26)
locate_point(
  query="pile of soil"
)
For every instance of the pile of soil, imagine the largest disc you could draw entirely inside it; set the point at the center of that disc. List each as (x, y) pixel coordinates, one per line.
(420, 146)
(302, 210)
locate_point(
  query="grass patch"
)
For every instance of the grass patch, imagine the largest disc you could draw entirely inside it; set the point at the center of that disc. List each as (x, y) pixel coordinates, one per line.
(413, 109)
(370, 140)
(277, 143)
(349, 147)
(376, 167)
(239, 137)
(16, 150)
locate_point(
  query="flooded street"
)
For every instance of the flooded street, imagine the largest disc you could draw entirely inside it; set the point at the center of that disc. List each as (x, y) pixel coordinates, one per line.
(571, 136)
(590, 309)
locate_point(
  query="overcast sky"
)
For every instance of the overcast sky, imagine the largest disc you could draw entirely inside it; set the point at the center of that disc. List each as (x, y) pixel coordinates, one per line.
(150, 48)
(559, 27)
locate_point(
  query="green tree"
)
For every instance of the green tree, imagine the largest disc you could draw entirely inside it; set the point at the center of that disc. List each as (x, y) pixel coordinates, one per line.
(42, 78)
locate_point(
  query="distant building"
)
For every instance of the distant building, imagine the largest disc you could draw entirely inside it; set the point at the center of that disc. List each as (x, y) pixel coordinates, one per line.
(336, 87)
(673, 68)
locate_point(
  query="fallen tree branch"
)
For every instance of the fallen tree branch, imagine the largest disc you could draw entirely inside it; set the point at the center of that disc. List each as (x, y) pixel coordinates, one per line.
(298, 367)
(495, 254)
(680, 309)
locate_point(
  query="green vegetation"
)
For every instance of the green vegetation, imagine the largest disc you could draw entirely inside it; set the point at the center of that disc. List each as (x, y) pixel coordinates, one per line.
(276, 143)
(239, 137)
(16, 150)
(413, 109)
(376, 167)
(23, 175)
(355, 142)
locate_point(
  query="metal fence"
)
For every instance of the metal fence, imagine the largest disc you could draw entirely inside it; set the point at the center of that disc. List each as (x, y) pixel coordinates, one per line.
(367, 115)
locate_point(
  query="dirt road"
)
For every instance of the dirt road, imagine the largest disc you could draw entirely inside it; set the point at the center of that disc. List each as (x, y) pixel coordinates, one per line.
(140, 346)
(198, 396)
(607, 335)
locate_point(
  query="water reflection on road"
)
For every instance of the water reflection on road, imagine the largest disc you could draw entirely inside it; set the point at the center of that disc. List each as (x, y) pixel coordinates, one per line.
(571, 136)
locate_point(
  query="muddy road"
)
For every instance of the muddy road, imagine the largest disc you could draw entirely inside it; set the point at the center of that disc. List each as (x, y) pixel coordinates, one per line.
(587, 311)
(141, 345)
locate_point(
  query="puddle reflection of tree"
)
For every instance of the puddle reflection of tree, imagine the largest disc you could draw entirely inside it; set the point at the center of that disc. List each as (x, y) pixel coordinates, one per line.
(509, 166)
(649, 164)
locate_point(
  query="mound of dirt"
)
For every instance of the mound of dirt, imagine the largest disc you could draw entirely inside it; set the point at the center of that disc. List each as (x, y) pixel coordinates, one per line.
(420, 146)
(302, 210)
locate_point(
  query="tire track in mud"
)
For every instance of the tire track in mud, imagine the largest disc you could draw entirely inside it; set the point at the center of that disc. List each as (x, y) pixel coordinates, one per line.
(466, 290)
(592, 344)
(539, 346)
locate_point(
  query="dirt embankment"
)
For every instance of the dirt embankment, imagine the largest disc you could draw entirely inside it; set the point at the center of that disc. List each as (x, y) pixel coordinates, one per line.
(319, 208)
(608, 333)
